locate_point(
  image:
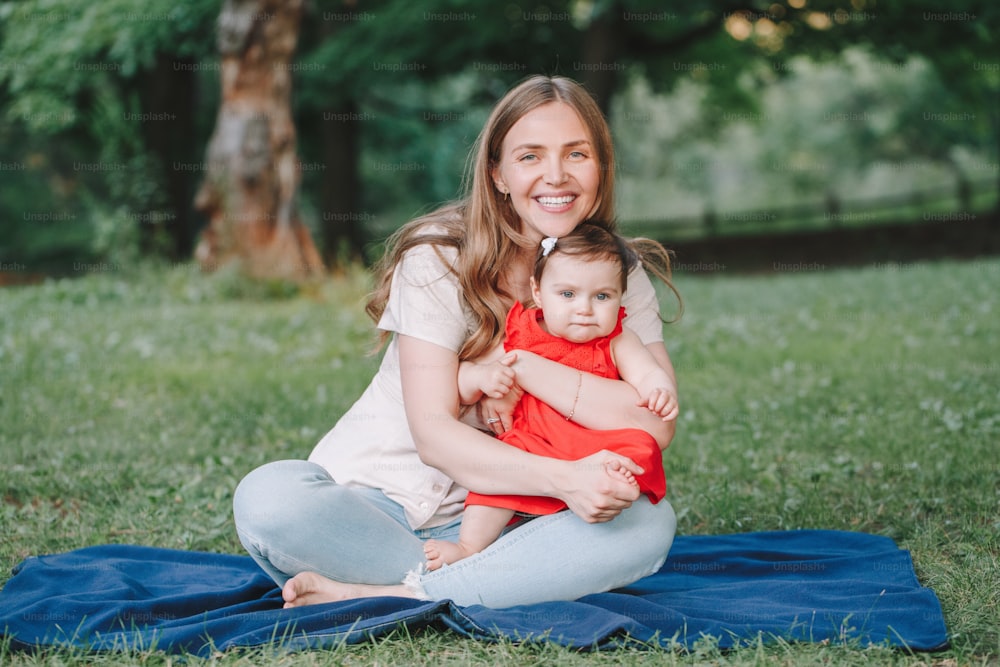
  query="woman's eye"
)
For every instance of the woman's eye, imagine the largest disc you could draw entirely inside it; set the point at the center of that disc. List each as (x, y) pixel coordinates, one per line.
(528, 158)
(578, 155)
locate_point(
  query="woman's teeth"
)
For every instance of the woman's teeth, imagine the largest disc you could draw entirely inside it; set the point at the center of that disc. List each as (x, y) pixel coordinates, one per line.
(556, 201)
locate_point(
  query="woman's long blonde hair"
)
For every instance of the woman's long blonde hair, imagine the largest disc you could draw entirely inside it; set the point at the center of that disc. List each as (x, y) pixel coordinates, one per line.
(483, 226)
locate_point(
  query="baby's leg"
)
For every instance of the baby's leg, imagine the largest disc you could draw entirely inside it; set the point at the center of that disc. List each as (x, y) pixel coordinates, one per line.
(615, 469)
(481, 526)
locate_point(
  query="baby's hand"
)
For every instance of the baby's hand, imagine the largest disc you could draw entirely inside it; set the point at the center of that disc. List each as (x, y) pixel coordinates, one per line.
(662, 402)
(497, 377)
(488, 378)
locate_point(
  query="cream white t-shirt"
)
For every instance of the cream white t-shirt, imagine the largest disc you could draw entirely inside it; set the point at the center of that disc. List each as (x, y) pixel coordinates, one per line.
(371, 445)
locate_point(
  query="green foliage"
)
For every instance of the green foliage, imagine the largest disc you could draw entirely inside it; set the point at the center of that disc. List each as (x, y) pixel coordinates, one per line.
(957, 40)
(857, 400)
(416, 81)
(60, 51)
(854, 127)
(72, 79)
(422, 78)
(783, 112)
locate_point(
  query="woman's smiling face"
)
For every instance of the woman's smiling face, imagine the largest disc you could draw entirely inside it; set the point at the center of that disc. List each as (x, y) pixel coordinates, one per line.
(548, 167)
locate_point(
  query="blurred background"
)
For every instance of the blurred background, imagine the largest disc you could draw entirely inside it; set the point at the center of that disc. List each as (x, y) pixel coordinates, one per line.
(763, 132)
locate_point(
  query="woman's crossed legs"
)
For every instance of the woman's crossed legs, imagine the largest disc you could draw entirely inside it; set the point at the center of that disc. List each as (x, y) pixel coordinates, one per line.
(323, 542)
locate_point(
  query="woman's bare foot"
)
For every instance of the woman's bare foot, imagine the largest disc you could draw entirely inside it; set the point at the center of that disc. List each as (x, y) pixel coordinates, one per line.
(439, 553)
(308, 588)
(616, 470)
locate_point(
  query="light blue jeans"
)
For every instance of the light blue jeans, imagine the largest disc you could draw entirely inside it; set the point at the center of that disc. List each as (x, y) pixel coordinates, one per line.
(292, 517)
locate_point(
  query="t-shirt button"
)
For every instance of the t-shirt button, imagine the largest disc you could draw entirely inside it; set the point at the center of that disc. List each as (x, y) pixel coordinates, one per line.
(437, 488)
(423, 506)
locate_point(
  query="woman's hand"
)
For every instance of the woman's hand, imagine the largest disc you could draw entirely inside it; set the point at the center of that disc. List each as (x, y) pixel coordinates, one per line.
(498, 413)
(592, 492)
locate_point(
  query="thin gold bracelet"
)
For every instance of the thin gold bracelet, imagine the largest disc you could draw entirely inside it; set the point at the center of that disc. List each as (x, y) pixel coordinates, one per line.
(579, 383)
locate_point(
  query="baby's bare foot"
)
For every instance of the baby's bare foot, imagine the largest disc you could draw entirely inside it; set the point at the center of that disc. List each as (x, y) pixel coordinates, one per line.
(440, 553)
(616, 470)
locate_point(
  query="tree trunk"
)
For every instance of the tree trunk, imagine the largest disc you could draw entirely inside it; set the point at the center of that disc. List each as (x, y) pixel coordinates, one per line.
(601, 50)
(343, 220)
(249, 194)
(996, 136)
(170, 90)
(342, 228)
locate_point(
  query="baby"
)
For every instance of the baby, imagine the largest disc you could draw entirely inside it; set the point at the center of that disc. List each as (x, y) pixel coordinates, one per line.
(578, 284)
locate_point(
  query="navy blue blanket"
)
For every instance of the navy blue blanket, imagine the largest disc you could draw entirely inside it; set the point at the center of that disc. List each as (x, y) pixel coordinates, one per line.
(808, 586)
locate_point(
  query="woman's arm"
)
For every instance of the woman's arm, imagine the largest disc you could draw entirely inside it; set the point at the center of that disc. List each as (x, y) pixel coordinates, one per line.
(478, 461)
(594, 402)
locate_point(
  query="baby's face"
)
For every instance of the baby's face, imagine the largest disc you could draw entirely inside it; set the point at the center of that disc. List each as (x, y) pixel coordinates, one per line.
(580, 297)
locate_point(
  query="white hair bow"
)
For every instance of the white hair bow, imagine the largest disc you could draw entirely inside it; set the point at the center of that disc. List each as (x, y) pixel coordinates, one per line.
(548, 244)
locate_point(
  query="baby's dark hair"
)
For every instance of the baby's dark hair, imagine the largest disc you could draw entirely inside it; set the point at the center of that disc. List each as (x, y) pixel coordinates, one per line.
(595, 242)
(591, 242)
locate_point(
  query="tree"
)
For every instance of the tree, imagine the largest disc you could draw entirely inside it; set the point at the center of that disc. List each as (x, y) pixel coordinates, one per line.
(102, 101)
(959, 43)
(250, 189)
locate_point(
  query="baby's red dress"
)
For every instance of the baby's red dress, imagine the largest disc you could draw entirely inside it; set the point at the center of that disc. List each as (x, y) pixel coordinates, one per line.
(539, 429)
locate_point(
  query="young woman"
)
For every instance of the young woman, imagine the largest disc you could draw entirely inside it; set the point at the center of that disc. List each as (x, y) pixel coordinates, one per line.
(393, 472)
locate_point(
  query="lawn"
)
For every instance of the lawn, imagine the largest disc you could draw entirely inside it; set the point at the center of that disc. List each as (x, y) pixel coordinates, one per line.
(131, 405)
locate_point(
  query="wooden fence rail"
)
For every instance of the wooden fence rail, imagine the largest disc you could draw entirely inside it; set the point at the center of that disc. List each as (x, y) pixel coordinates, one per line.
(962, 202)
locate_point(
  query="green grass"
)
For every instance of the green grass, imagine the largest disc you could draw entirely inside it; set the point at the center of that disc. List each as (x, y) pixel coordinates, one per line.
(864, 400)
